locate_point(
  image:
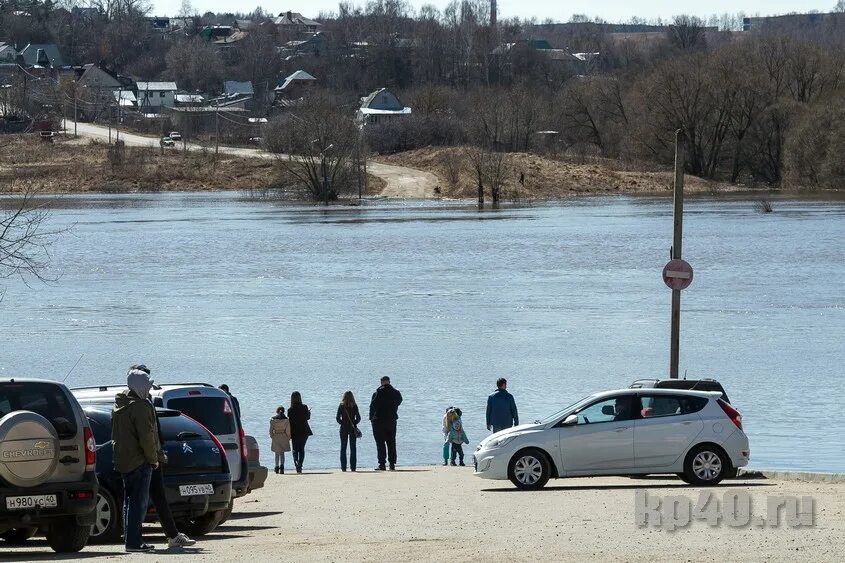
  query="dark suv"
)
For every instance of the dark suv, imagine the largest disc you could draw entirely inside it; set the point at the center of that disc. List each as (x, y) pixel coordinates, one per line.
(687, 384)
(197, 481)
(47, 458)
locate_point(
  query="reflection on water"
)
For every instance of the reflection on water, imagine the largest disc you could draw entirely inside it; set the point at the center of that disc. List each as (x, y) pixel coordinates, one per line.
(563, 299)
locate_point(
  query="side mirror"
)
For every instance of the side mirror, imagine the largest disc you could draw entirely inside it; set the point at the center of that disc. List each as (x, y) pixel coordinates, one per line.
(608, 410)
(570, 420)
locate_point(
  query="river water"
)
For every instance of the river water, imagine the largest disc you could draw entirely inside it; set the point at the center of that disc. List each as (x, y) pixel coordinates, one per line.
(562, 299)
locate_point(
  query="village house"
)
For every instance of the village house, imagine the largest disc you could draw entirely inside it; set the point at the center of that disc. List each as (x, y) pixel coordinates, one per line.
(292, 89)
(99, 88)
(8, 54)
(152, 96)
(45, 55)
(381, 106)
(293, 24)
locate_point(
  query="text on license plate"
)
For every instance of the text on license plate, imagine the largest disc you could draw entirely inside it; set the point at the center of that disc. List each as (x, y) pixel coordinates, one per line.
(191, 490)
(32, 501)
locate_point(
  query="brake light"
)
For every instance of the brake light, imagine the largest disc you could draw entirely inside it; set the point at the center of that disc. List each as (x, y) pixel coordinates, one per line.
(90, 447)
(80, 495)
(193, 393)
(732, 413)
(244, 450)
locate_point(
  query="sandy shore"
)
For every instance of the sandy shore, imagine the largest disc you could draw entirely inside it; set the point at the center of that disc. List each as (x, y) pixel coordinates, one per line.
(438, 514)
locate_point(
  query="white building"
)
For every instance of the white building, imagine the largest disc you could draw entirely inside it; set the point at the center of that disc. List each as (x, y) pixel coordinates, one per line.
(381, 106)
(155, 95)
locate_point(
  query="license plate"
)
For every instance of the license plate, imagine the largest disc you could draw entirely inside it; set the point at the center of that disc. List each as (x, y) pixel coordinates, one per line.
(192, 490)
(30, 502)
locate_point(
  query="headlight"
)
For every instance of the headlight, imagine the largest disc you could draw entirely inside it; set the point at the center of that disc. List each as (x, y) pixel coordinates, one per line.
(501, 442)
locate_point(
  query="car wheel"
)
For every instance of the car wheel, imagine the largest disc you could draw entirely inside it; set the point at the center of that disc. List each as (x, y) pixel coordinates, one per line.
(706, 465)
(107, 524)
(18, 536)
(201, 525)
(529, 469)
(65, 535)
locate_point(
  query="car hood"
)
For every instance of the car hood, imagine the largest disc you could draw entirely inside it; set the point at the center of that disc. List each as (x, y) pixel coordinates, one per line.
(522, 428)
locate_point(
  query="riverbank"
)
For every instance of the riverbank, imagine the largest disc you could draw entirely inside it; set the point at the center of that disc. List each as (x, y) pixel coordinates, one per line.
(84, 165)
(438, 513)
(529, 176)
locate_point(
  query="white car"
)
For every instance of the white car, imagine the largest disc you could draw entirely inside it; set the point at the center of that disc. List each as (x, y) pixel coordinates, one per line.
(694, 434)
(175, 135)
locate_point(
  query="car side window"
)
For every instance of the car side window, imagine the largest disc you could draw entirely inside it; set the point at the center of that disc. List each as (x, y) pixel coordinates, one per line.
(669, 405)
(607, 410)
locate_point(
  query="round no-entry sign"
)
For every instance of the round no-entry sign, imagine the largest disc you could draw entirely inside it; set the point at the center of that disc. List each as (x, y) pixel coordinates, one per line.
(677, 274)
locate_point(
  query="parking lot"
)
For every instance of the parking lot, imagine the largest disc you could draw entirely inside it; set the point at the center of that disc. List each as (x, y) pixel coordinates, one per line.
(438, 513)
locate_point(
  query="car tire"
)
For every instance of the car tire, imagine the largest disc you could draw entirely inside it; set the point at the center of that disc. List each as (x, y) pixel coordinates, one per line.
(201, 525)
(108, 524)
(65, 535)
(18, 536)
(529, 469)
(706, 465)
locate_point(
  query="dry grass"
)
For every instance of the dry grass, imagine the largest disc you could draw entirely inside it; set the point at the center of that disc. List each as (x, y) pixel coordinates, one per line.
(546, 177)
(26, 163)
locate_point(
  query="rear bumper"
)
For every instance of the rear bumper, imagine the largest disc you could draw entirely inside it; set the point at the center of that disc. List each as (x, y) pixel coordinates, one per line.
(257, 477)
(67, 496)
(738, 449)
(197, 505)
(241, 487)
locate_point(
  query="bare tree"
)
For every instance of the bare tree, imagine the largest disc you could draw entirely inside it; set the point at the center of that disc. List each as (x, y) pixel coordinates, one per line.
(24, 240)
(322, 140)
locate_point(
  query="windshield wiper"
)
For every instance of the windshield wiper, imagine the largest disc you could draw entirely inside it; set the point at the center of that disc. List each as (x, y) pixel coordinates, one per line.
(184, 435)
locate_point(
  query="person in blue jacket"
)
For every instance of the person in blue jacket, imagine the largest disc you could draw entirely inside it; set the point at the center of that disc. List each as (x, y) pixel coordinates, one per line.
(501, 408)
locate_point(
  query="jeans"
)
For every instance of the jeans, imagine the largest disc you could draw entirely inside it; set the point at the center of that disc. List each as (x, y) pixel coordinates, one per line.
(159, 498)
(136, 499)
(347, 435)
(299, 452)
(384, 431)
(280, 459)
(457, 450)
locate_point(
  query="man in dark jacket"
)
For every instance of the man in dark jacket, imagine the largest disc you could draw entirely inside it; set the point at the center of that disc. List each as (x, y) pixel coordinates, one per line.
(383, 414)
(136, 453)
(501, 408)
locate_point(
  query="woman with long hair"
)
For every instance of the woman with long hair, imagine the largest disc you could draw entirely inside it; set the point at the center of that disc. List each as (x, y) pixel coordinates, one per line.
(298, 415)
(348, 418)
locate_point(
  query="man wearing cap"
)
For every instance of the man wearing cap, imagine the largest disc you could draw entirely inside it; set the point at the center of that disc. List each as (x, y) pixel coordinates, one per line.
(136, 453)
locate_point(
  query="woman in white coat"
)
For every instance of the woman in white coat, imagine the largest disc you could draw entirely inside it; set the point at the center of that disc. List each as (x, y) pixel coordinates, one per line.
(280, 436)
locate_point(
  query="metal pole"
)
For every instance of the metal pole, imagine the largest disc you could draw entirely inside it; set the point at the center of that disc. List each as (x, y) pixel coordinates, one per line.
(75, 97)
(678, 215)
(216, 131)
(325, 180)
(117, 125)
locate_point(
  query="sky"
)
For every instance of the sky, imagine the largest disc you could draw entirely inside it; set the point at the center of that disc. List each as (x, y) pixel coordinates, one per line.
(610, 10)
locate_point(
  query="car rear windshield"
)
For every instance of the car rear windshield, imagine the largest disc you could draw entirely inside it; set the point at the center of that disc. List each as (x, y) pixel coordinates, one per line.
(46, 399)
(214, 413)
(182, 428)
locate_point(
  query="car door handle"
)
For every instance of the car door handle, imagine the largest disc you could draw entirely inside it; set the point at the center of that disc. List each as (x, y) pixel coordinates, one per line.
(686, 422)
(68, 460)
(622, 429)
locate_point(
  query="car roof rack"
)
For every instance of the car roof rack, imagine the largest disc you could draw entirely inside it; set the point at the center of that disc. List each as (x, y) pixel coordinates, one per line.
(100, 387)
(183, 385)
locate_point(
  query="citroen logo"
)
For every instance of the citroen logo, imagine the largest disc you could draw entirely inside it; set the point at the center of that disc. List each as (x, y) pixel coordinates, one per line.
(186, 448)
(41, 445)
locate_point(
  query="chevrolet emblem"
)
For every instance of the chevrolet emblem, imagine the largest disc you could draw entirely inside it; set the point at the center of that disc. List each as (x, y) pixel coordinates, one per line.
(41, 445)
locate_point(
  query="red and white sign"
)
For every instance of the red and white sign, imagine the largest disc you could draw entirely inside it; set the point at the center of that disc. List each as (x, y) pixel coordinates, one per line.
(677, 274)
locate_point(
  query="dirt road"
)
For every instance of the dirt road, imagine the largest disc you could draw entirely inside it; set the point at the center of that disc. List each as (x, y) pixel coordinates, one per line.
(400, 181)
(444, 513)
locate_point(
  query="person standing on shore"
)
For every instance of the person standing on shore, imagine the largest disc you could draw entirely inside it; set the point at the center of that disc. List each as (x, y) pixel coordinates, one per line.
(136, 453)
(501, 408)
(384, 408)
(158, 495)
(280, 438)
(456, 436)
(348, 418)
(300, 430)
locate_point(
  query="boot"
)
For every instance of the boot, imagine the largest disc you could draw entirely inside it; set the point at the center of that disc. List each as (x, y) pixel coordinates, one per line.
(277, 470)
(281, 470)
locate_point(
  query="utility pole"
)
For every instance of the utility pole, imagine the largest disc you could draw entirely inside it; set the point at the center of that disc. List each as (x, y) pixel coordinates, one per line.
(119, 106)
(678, 214)
(75, 119)
(216, 130)
(325, 178)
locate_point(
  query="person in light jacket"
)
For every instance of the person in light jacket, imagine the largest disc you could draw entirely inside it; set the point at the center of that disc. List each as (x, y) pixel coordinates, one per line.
(501, 408)
(348, 418)
(280, 437)
(299, 415)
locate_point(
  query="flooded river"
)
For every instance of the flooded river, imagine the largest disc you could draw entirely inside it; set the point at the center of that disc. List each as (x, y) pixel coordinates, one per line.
(562, 299)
